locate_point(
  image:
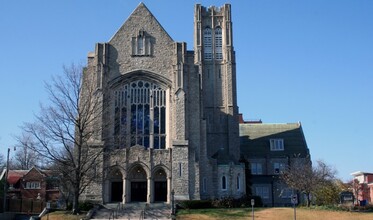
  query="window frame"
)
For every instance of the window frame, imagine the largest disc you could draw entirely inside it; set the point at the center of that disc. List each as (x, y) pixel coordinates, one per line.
(277, 144)
(207, 43)
(224, 183)
(33, 185)
(262, 191)
(255, 171)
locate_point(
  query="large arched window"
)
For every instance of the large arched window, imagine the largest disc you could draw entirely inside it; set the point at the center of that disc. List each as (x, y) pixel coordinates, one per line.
(218, 44)
(140, 115)
(207, 43)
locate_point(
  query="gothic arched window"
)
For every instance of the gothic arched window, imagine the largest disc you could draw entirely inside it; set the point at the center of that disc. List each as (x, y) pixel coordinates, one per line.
(140, 115)
(238, 182)
(218, 44)
(207, 43)
(223, 183)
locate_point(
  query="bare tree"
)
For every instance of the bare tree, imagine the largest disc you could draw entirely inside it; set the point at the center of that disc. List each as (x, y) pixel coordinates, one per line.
(65, 130)
(2, 161)
(304, 178)
(25, 157)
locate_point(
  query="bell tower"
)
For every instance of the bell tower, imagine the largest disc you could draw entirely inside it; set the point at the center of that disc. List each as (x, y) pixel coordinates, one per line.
(215, 57)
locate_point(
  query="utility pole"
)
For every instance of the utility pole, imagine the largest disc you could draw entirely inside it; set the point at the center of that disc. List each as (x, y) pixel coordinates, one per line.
(6, 180)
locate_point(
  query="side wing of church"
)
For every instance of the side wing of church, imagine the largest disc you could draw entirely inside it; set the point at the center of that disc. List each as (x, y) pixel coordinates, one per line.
(170, 119)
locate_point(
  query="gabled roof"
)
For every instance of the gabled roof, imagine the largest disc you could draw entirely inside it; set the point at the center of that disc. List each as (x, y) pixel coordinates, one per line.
(360, 173)
(254, 139)
(15, 175)
(140, 12)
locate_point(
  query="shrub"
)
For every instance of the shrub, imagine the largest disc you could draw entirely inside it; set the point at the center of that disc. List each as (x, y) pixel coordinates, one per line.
(227, 202)
(85, 206)
(195, 204)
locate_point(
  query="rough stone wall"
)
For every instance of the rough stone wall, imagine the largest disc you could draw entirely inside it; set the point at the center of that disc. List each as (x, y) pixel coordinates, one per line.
(201, 101)
(120, 52)
(231, 172)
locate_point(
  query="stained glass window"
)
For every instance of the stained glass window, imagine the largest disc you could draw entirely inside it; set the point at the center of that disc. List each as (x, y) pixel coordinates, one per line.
(140, 115)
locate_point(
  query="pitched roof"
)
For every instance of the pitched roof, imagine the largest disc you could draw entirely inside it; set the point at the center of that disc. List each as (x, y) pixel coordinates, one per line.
(254, 139)
(140, 14)
(15, 175)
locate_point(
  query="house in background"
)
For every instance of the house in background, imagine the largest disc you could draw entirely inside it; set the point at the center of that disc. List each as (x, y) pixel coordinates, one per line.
(267, 149)
(32, 184)
(363, 187)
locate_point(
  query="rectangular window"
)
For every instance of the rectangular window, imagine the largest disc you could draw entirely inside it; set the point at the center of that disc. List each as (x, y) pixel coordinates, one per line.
(238, 182)
(256, 168)
(179, 169)
(224, 183)
(32, 185)
(262, 191)
(277, 144)
(286, 193)
(278, 167)
(204, 182)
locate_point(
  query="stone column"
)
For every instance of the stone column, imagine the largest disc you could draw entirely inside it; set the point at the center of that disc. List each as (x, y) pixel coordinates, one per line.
(124, 196)
(169, 190)
(150, 190)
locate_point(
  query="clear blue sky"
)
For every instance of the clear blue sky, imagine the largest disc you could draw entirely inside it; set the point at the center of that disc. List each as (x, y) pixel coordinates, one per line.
(309, 61)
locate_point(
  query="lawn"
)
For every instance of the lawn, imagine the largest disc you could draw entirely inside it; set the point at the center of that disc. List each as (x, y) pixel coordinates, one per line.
(63, 215)
(271, 214)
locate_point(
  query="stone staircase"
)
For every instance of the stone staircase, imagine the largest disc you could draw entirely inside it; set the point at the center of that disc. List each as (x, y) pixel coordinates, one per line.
(138, 210)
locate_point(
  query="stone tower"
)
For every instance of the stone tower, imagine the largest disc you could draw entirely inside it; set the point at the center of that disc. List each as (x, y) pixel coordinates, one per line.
(215, 57)
(170, 115)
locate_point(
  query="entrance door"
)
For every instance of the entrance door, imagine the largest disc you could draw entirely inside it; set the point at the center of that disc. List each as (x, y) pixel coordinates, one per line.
(116, 191)
(160, 191)
(138, 191)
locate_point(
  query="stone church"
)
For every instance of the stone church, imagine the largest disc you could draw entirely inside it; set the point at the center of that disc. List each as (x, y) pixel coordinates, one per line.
(173, 112)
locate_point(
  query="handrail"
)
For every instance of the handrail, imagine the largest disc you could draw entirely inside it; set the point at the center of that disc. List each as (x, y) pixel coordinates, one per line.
(111, 215)
(114, 213)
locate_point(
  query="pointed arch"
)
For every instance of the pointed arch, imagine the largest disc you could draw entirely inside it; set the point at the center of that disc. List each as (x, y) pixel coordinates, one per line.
(207, 43)
(218, 43)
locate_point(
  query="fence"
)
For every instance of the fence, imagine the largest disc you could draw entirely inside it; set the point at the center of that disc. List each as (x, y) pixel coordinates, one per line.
(28, 206)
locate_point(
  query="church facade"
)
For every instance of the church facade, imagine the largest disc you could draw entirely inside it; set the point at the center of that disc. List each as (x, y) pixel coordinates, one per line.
(170, 122)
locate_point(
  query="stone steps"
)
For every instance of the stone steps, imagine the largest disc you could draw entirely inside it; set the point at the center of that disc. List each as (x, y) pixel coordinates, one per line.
(134, 211)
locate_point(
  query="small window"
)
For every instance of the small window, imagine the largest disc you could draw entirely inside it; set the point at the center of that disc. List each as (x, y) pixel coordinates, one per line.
(32, 185)
(277, 144)
(224, 183)
(180, 168)
(256, 168)
(278, 167)
(286, 193)
(262, 191)
(142, 44)
(204, 184)
(238, 182)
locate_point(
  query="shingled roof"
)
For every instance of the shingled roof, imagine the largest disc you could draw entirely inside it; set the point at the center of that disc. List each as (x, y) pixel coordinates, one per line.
(254, 139)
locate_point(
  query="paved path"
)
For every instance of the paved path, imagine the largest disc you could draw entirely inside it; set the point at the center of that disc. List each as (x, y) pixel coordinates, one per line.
(134, 211)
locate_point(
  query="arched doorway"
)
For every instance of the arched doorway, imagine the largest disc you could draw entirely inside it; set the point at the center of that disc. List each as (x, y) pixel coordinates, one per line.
(160, 185)
(138, 184)
(116, 185)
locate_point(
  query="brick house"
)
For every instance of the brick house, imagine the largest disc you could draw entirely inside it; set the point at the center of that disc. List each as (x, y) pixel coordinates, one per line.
(32, 184)
(267, 149)
(363, 186)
